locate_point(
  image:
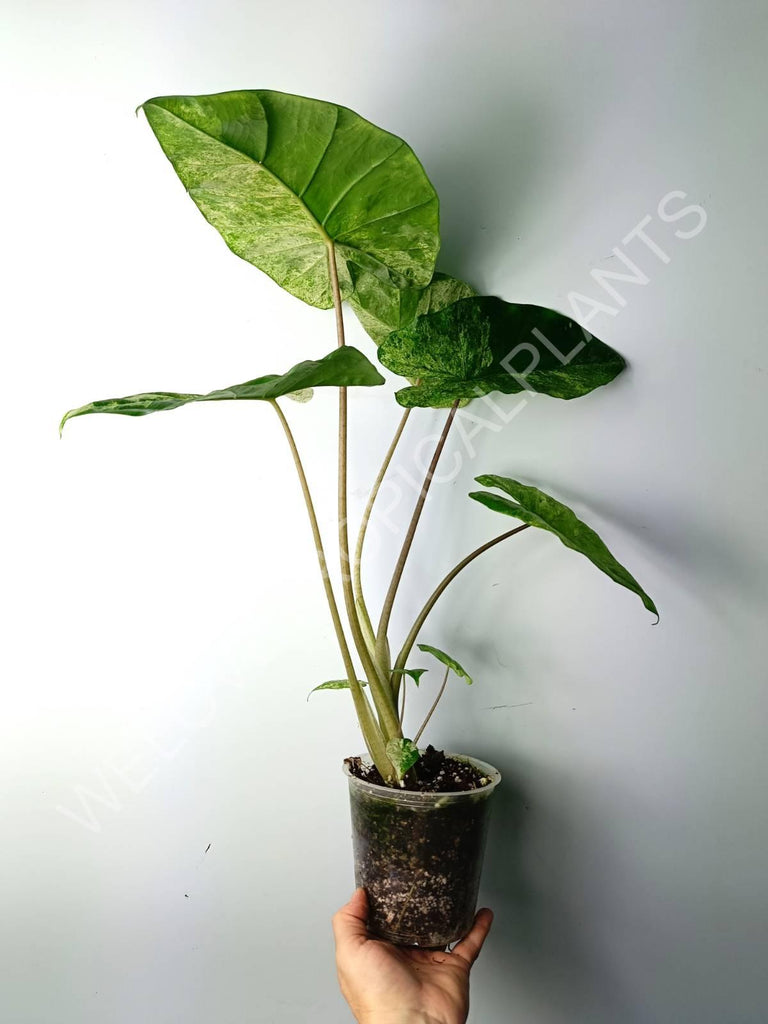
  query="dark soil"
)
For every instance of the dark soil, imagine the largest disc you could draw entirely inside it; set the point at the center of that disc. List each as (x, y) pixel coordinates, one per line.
(420, 861)
(433, 773)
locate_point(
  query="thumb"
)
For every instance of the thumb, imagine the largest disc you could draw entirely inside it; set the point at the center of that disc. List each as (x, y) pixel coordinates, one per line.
(350, 922)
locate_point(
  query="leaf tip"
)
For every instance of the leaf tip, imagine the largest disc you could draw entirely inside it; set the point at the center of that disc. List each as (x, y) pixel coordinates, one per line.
(403, 397)
(649, 604)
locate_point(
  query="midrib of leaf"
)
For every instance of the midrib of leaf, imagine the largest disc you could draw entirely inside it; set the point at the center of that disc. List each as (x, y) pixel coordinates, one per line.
(326, 238)
(263, 167)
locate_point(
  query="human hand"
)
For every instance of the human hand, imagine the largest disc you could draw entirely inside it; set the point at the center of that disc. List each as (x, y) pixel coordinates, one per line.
(386, 984)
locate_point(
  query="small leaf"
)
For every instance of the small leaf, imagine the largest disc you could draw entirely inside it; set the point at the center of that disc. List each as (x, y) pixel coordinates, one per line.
(403, 754)
(536, 508)
(334, 684)
(281, 176)
(414, 673)
(344, 367)
(482, 344)
(382, 307)
(447, 660)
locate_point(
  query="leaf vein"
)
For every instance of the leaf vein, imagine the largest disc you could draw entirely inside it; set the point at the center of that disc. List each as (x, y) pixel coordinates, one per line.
(258, 163)
(357, 181)
(322, 155)
(386, 216)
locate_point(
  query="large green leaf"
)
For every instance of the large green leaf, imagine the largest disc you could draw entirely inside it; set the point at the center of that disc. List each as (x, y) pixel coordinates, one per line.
(282, 176)
(446, 660)
(536, 508)
(483, 344)
(381, 307)
(344, 367)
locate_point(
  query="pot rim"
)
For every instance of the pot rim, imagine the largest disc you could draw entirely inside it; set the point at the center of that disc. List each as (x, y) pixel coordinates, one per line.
(415, 795)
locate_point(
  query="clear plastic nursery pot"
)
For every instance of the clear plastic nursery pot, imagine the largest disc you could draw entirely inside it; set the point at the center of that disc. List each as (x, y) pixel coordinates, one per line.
(419, 857)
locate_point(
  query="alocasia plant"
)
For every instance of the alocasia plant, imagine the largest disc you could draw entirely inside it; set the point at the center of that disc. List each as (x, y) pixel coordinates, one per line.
(335, 209)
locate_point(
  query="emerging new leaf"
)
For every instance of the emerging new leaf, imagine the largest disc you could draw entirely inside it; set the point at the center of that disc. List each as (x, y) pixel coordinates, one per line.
(344, 367)
(281, 177)
(446, 660)
(482, 344)
(536, 508)
(414, 673)
(403, 754)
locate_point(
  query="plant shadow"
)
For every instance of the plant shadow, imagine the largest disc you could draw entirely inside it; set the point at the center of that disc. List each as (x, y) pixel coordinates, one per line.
(544, 946)
(704, 558)
(475, 236)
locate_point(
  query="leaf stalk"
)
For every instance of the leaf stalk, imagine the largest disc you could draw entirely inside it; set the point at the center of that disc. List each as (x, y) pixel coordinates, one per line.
(389, 600)
(440, 692)
(373, 739)
(381, 692)
(357, 584)
(433, 598)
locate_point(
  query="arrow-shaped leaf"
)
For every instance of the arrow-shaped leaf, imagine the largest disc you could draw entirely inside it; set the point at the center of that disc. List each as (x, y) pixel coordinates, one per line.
(482, 344)
(536, 508)
(281, 177)
(414, 673)
(446, 660)
(344, 367)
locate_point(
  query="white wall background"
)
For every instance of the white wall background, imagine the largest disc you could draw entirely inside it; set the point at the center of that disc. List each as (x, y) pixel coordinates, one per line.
(163, 621)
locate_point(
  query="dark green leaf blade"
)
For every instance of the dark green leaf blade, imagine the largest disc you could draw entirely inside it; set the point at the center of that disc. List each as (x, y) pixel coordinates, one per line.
(538, 509)
(381, 307)
(335, 684)
(281, 176)
(343, 367)
(413, 673)
(481, 344)
(446, 660)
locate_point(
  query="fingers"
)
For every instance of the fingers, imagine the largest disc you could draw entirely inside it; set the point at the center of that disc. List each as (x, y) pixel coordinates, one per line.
(469, 948)
(350, 922)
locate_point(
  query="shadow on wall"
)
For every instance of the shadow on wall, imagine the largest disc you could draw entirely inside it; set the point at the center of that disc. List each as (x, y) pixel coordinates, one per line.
(546, 948)
(483, 211)
(677, 539)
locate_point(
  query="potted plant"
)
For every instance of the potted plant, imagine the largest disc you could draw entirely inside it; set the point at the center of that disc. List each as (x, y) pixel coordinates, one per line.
(335, 209)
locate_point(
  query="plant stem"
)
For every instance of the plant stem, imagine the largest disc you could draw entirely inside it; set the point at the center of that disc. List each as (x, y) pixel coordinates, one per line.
(371, 733)
(421, 617)
(357, 585)
(389, 600)
(417, 737)
(382, 695)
